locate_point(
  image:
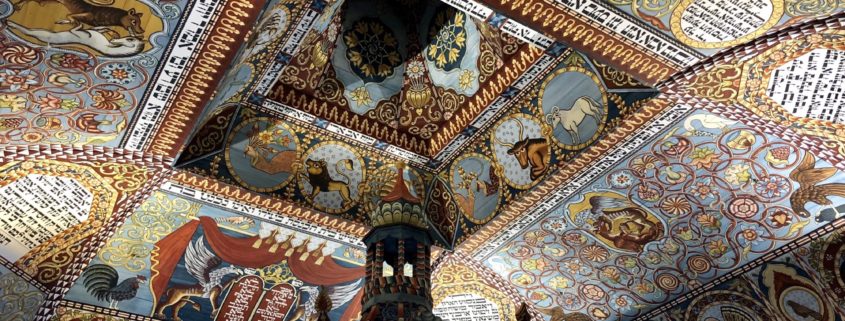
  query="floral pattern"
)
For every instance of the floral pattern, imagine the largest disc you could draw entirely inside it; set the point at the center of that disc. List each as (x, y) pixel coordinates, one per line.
(721, 207)
(447, 39)
(372, 49)
(118, 73)
(17, 80)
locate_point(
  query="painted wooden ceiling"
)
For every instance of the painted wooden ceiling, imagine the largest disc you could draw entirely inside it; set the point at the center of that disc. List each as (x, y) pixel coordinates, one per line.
(615, 160)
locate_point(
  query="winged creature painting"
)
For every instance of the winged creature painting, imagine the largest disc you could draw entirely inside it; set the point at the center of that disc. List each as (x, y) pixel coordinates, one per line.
(809, 190)
(204, 266)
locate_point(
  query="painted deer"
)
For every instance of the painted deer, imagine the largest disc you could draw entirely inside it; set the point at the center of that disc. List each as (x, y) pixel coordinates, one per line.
(571, 118)
(529, 152)
(259, 153)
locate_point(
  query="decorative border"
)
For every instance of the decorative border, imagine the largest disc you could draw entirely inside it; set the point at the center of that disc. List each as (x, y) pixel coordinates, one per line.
(209, 65)
(566, 21)
(264, 207)
(171, 73)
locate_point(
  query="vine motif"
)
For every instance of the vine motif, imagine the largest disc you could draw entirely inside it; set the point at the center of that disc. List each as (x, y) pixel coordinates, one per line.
(20, 299)
(157, 217)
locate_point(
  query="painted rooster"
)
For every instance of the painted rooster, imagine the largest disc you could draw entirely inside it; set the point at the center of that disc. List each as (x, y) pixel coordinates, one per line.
(101, 281)
(809, 177)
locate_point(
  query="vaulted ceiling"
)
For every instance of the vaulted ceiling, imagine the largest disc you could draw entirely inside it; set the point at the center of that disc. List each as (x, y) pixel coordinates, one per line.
(601, 160)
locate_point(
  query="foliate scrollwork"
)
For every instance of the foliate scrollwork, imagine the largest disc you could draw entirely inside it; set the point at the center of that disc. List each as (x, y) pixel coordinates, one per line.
(155, 218)
(126, 177)
(718, 84)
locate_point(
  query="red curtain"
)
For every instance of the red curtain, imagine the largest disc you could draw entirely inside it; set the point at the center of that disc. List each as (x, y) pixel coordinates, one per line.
(240, 251)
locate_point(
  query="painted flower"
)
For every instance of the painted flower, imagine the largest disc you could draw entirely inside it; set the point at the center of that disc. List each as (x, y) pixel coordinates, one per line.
(642, 164)
(570, 301)
(753, 234)
(265, 137)
(447, 38)
(538, 296)
(15, 103)
(685, 233)
(755, 83)
(738, 174)
(535, 237)
(772, 186)
(780, 218)
(595, 253)
(703, 157)
(574, 238)
(703, 190)
(560, 283)
(621, 180)
(118, 73)
(573, 266)
(647, 193)
(361, 96)
(70, 104)
(629, 262)
(523, 279)
(815, 38)
(17, 79)
(599, 313)
(717, 248)
(372, 49)
(108, 100)
(49, 102)
(653, 258)
(709, 221)
(621, 303)
(71, 61)
(19, 54)
(676, 205)
(644, 288)
(466, 78)
(555, 225)
(593, 292)
(743, 207)
(537, 265)
(611, 274)
(415, 69)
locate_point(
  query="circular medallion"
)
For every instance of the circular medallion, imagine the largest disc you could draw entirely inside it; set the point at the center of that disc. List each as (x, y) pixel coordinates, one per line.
(521, 149)
(332, 176)
(720, 24)
(574, 104)
(476, 187)
(262, 154)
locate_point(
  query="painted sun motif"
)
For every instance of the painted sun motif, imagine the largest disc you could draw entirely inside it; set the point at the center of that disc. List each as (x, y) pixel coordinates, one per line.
(447, 38)
(372, 49)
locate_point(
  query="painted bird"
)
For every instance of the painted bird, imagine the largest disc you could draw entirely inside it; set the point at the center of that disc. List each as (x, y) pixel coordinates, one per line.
(808, 178)
(101, 282)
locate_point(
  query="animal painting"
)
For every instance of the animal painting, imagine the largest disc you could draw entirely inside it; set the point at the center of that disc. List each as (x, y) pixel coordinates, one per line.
(529, 152)
(84, 13)
(707, 122)
(266, 158)
(100, 281)
(571, 118)
(204, 266)
(94, 38)
(321, 180)
(623, 223)
(809, 190)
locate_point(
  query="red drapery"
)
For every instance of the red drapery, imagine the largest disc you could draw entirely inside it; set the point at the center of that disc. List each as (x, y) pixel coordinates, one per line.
(240, 251)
